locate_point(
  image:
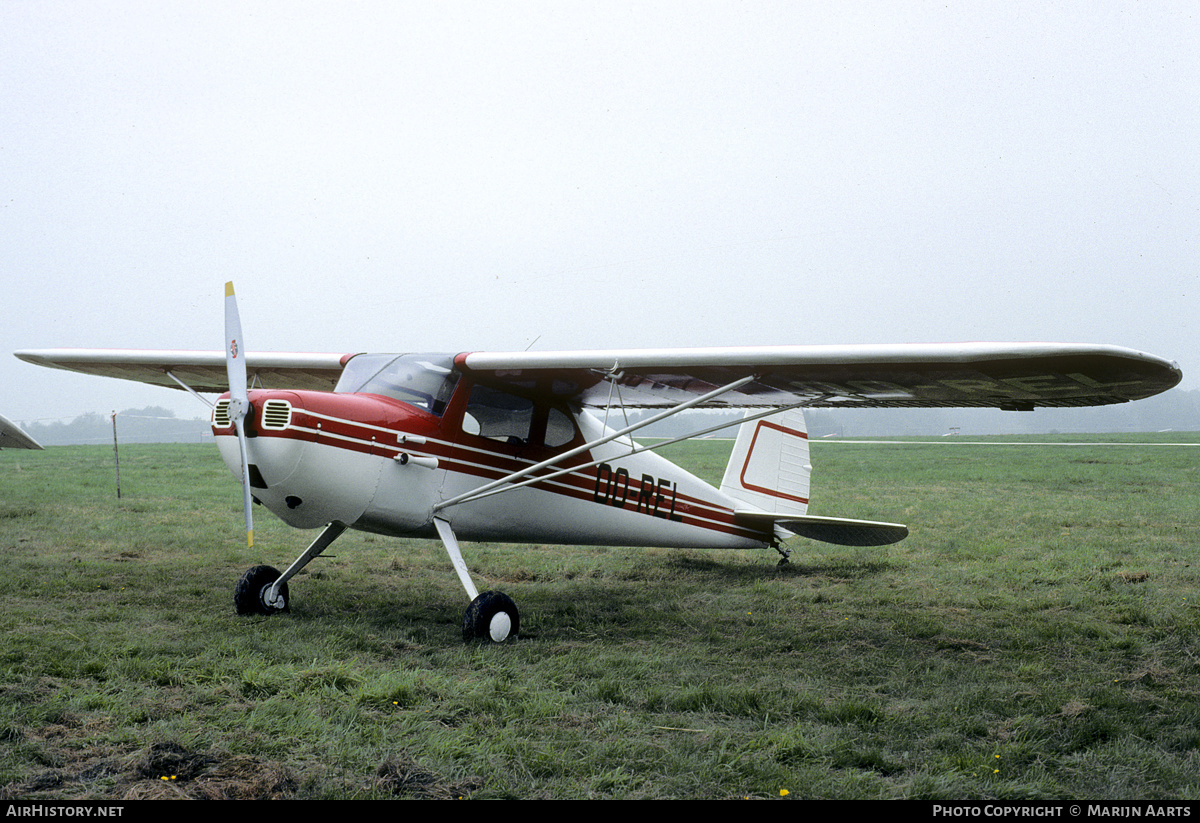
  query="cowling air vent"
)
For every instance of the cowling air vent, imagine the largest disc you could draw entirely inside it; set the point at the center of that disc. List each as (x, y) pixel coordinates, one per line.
(221, 415)
(276, 414)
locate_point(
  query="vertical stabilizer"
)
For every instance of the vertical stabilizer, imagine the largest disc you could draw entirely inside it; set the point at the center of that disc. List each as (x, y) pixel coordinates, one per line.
(769, 467)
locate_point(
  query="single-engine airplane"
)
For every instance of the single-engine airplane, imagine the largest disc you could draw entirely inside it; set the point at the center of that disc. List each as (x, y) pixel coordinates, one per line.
(509, 446)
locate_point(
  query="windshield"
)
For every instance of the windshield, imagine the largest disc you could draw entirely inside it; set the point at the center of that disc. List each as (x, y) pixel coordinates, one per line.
(422, 380)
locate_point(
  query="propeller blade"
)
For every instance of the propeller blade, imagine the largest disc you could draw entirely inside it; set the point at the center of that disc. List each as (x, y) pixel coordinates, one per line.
(239, 400)
(235, 355)
(247, 503)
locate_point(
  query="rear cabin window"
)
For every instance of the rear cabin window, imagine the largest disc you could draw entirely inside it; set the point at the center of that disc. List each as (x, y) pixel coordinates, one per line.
(515, 420)
(560, 429)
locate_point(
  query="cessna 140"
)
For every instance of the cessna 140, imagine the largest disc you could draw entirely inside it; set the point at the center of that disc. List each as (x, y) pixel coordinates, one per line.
(499, 446)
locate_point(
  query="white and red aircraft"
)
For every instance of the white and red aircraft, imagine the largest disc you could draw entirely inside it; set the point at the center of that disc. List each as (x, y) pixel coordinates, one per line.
(504, 446)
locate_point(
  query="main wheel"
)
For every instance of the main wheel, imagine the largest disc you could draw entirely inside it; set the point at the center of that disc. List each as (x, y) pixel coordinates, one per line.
(250, 595)
(491, 617)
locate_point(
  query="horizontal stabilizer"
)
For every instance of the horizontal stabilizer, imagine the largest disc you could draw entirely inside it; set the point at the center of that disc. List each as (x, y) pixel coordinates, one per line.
(12, 437)
(840, 530)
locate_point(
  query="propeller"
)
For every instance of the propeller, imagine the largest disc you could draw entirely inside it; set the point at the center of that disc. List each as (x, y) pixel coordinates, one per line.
(239, 401)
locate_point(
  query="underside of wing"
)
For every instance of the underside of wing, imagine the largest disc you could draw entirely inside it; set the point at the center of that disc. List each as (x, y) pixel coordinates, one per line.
(201, 371)
(1016, 376)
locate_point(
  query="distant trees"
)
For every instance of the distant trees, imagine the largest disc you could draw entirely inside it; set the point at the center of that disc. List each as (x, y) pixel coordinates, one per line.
(152, 424)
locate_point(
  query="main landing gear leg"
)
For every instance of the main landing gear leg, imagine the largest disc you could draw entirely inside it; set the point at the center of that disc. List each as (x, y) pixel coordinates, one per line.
(263, 590)
(492, 616)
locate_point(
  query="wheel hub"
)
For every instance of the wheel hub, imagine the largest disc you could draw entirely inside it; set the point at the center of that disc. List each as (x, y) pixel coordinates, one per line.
(279, 603)
(500, 626)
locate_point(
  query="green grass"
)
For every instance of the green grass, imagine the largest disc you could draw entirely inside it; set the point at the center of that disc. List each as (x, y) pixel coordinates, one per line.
(1035, 637)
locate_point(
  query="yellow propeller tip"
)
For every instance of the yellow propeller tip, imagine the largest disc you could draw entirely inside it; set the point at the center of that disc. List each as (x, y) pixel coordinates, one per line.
(229, 289)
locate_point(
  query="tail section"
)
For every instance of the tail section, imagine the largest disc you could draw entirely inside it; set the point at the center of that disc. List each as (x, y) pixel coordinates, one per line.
(769, 467)
(769, 472)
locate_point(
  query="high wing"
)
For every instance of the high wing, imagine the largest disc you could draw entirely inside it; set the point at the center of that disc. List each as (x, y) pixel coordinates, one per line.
(999, 375)
(1015, 376)
(202, 371)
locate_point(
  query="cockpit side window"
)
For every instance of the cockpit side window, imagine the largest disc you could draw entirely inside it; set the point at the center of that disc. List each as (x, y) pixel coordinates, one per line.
(498, 415)
(515, 419)
(425, 381)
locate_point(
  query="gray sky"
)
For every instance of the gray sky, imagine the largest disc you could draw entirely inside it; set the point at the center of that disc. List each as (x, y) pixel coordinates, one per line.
(458, 176)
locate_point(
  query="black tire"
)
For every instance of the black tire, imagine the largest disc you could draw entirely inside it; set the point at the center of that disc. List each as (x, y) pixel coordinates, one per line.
(477, 622)
(248, 596)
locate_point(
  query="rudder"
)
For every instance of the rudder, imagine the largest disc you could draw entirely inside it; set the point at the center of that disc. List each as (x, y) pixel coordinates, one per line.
(769, 468)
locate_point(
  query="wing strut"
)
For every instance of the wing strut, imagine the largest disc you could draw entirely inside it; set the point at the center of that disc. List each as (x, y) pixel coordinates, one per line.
(189, 389)
(553, 461)
(460, 566)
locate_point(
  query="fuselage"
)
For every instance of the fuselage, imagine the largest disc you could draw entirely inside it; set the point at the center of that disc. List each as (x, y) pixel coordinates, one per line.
(399, 437)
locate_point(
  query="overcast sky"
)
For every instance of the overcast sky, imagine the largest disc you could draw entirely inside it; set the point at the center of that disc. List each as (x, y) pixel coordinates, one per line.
(494, 175)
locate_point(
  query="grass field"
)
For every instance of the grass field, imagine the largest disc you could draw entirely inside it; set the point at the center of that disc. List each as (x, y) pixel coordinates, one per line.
(1035, 637)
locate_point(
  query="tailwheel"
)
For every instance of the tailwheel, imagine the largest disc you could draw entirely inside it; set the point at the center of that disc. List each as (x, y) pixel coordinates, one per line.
(250, 595)
(492, 616)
